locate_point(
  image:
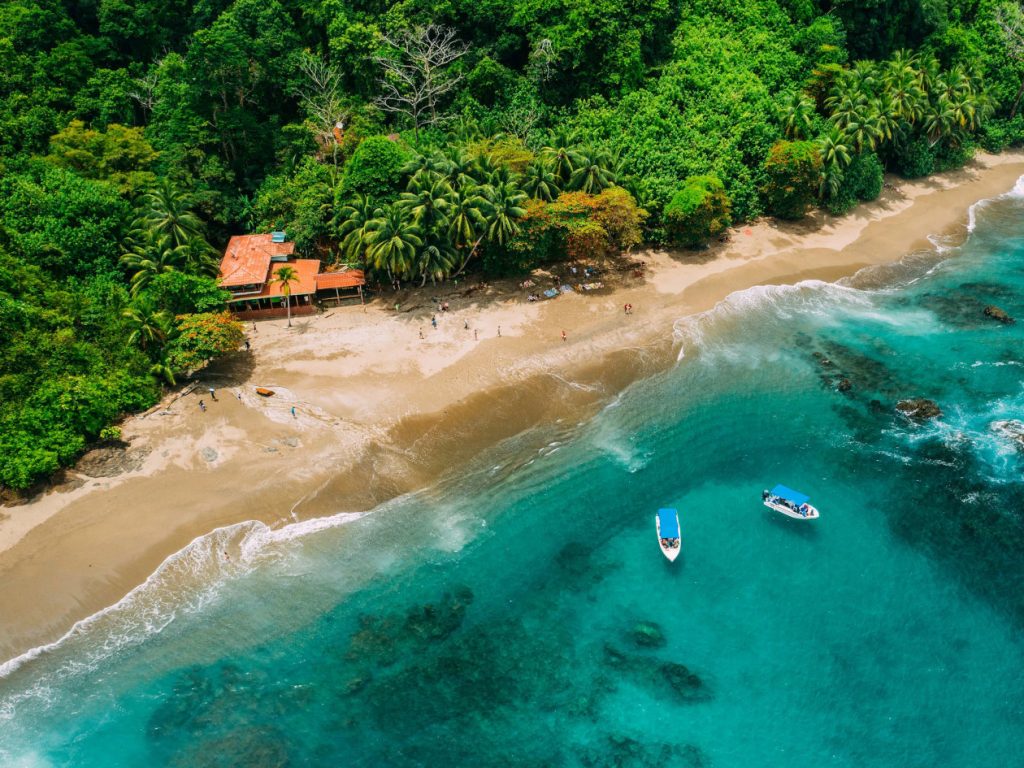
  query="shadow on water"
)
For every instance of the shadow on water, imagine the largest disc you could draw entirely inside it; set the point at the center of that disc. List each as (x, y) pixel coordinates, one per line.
(801, 529)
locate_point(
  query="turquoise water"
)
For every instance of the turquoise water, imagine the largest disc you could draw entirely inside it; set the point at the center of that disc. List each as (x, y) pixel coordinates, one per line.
(521, 614)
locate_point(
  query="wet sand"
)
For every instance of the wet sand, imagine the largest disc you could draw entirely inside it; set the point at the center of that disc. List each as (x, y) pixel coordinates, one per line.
(380, 411)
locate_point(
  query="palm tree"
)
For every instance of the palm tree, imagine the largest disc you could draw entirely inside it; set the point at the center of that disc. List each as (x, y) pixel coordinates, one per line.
(940, 120)
(592, 173)
(902, 85)
(167, 210)
(350, 223)
(437, 260)
(538, 181)
(161, 369)
(150, 254)
(836, 154)
(285, 276)
(505, 207)
(797, 116)
(394, 241)
(563, 156)
(467, 222)
(428, 202)
(149, 327)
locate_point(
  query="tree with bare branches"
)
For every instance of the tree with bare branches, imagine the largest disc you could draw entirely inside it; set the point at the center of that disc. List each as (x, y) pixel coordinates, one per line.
(1010, 18)
(417, 74)
(323, 100)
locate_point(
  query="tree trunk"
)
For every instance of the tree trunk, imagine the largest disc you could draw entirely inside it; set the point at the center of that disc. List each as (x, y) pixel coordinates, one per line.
(470, 256)
(1016, 102)
(288, 307)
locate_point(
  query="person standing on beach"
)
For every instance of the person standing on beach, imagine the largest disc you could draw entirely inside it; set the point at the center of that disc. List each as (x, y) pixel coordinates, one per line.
(421, 333)
(293, 413)
(433, 320)
(248, 346)
(202, 406)
(564, 337)
(213, 395)
(475, 336)
(466, 324)
(499, 331)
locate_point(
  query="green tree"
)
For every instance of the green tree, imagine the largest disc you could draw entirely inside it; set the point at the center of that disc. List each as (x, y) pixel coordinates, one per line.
(394, 241)
(698, 212)
(148, 325)
(793, 170)
(197, 339)
(539, 182)
(376, 168)
(285, 276)
(797, 116)
(504, 209)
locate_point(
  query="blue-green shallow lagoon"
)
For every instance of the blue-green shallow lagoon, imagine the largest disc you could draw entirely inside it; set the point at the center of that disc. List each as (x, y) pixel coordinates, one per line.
(521, 613)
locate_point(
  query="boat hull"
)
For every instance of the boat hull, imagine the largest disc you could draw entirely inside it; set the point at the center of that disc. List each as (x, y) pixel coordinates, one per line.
(669, 552)
(812, 512)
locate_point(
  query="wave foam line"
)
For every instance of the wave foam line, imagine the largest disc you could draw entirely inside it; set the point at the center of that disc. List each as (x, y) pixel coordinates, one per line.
(807, 297)
(151, 606)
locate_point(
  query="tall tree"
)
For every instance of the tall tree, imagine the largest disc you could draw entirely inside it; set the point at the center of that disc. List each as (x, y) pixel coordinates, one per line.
(394, 241)
(285, 276)
(417, 75)
(1010, 17)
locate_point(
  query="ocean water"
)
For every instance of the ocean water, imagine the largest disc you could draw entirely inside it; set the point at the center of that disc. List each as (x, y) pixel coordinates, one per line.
(520, 613)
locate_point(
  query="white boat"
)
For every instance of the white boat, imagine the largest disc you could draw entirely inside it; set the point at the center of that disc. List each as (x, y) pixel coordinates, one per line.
(789, 502)
(666, 522)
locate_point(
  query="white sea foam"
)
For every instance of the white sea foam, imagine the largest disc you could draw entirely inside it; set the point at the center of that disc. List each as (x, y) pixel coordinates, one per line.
(183, 583)
(770, 304)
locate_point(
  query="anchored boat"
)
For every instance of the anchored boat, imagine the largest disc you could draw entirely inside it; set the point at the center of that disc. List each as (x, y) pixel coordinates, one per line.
(667, 524)
(789, 502)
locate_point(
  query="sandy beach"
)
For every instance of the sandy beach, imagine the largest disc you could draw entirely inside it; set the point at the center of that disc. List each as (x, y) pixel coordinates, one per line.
(371, 402)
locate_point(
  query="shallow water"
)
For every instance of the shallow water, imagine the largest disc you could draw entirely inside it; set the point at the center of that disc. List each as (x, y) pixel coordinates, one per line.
(521, 614)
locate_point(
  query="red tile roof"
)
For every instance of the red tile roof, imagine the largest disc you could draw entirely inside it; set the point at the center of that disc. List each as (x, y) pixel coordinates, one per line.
(350, 278)
(247, 259)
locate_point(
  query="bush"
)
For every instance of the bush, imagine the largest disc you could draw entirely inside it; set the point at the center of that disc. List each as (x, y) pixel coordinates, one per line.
(916, 159)
(999, 133)
(949, 157)
(200, 338)
(862, 181)
(793, 169)
(375, 168)
(698, 212)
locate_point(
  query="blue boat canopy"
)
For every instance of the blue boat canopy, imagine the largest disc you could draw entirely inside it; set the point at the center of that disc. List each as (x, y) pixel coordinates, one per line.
(788, 493)
(669, 523)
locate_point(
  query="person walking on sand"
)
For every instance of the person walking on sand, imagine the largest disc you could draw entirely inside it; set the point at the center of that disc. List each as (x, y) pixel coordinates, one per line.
(466, 324)
(293, 413)
(421, 333)
(433, 320)
(202, 406)
(475, 336)
(564, 337)
(499, 331)
(213, 395)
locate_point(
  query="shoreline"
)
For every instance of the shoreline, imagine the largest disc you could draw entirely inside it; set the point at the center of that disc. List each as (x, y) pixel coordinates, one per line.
(380, 412)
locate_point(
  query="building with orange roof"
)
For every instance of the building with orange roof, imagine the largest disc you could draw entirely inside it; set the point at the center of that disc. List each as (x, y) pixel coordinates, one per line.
(249, 269)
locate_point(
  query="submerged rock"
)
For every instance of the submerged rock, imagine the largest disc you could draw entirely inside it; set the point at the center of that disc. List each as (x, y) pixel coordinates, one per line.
(647, 634)
(1011, 429)
(997, 314)
(919, 408)
(685, 684)
(844, 385)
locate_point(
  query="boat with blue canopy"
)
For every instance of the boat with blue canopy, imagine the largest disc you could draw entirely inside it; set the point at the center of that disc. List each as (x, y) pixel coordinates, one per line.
(666, 522)
(789, 502)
